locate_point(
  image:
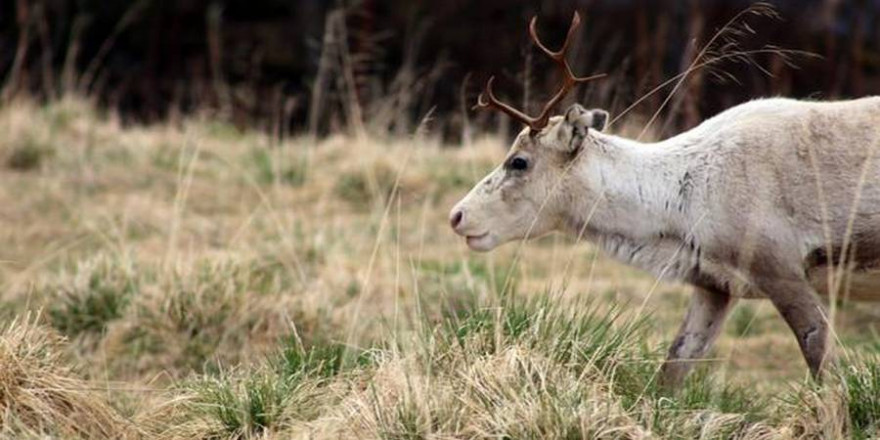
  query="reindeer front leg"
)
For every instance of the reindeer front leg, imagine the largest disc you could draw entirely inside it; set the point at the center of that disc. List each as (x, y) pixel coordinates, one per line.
(701, 327)
(799, 305)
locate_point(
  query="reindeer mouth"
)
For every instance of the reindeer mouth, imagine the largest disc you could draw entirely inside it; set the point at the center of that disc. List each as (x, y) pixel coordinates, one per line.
(482, 242)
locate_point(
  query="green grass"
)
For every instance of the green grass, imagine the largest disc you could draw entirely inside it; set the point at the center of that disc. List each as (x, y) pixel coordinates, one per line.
(743, 321)
(271, 168)
(262, 398)
(322, 359)
(861, 379)
(579, 337)
(496, 277)
(244, 407)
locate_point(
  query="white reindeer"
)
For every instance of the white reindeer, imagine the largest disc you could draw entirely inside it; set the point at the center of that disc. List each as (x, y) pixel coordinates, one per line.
(764, 200)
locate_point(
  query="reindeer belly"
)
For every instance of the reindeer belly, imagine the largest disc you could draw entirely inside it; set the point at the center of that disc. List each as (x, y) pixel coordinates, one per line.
(860, 285)
(856, 285)
(668, 259)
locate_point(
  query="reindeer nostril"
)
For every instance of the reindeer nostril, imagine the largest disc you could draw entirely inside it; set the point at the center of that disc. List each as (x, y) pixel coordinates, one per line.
(455, 219)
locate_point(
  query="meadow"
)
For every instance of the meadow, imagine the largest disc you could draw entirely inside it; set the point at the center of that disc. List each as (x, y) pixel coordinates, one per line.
(191, 280)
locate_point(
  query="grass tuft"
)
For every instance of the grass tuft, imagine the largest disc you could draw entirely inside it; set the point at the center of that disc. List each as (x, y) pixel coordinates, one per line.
(263, 399)
(42, 396)
(579, 335)
(27, 154)
(98, 295)
(244, 406)
(322, 359)
(200, 317)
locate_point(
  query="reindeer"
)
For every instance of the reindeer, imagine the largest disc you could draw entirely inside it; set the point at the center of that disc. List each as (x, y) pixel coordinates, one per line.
(768, 199)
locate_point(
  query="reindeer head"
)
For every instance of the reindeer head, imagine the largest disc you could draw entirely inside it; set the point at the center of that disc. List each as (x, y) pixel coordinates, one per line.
(521, 197)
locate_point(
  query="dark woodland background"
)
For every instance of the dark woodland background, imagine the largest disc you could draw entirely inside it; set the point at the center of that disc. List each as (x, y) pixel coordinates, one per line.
(388, 66)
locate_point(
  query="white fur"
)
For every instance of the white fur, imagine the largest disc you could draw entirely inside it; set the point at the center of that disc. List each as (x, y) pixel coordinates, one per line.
(639, 187)
(766, 199)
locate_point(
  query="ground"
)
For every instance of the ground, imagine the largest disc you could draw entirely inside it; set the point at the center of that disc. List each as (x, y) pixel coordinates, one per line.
(190, 280)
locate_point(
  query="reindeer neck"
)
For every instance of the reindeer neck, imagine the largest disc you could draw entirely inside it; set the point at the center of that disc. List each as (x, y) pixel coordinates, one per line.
(640, 191)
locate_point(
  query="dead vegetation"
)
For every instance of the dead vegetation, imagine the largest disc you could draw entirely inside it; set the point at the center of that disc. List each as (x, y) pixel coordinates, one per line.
(41, 394)
(195, 281)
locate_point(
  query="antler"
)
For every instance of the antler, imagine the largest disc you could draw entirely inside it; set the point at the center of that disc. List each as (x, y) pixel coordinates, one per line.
(487, 99)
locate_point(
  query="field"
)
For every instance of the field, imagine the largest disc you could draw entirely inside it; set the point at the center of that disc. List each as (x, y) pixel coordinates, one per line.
(192, 281)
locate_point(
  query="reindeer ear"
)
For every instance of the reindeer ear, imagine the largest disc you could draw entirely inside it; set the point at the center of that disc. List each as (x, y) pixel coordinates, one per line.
(583, 119)
(577, 123)
(600, 119)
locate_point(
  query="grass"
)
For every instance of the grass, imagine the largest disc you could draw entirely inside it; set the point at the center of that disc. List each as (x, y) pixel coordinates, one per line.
(861, 380)
(28, 154)
(271, 168)
(43, 396)
(362, 187)
(88, 304)
(744, 321)
(198, 281)
(244, 407)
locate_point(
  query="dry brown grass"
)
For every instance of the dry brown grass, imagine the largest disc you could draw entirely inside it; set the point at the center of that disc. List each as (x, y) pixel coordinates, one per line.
(175, 266)
(40, 394)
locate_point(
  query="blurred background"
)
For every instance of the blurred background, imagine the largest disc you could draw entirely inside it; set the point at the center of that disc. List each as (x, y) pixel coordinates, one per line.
(385, 66)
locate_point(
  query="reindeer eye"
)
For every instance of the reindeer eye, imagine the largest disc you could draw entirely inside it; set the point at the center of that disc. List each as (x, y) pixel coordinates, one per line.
(519, 164)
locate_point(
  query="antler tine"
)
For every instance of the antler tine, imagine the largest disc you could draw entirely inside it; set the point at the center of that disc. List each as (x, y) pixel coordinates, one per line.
(487, 99)
(558, 55)
(569, 79)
